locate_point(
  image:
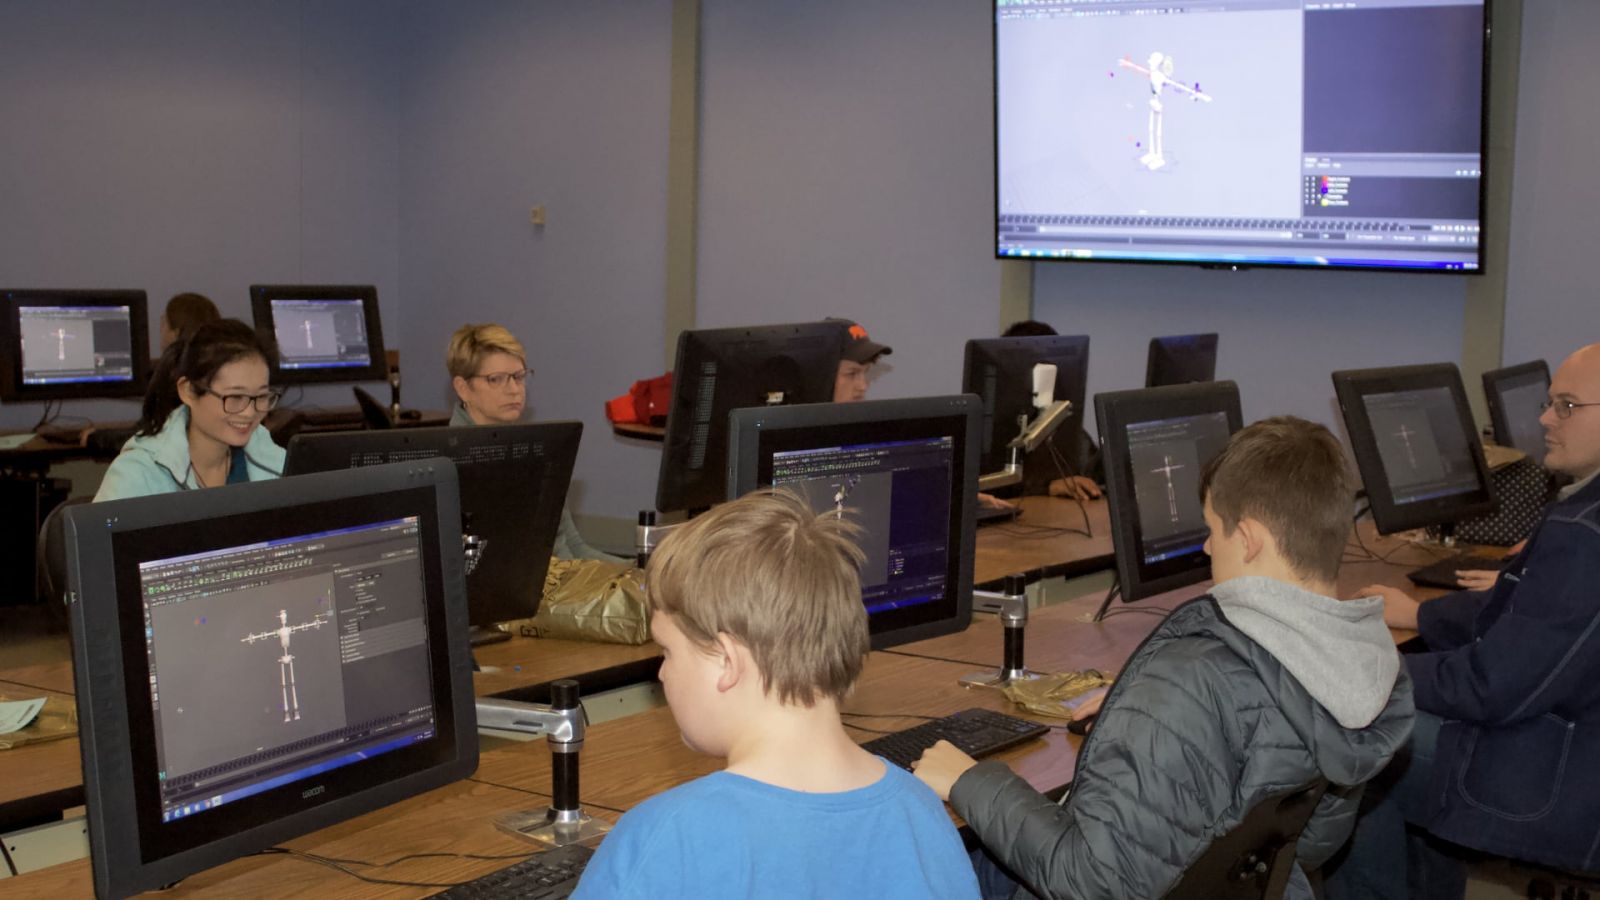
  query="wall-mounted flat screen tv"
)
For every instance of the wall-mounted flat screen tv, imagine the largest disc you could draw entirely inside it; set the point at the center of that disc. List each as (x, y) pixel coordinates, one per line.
(1238, 133)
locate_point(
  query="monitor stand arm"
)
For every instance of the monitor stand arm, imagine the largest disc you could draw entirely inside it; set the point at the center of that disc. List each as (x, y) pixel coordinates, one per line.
(1012, 607)
(647, 535)
(563, 722)
(1033, 434)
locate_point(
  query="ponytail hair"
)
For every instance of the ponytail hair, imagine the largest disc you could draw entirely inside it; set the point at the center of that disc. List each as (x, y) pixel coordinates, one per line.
(196, 356)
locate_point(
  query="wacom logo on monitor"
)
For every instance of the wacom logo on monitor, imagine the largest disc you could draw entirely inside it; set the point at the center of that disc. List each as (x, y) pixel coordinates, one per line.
(312, 792)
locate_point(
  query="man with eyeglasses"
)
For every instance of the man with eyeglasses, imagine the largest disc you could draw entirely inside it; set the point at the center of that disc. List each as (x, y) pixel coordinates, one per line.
(1507, 693)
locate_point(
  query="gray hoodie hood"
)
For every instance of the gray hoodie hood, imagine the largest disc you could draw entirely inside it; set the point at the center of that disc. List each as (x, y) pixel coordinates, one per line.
(1340, 651)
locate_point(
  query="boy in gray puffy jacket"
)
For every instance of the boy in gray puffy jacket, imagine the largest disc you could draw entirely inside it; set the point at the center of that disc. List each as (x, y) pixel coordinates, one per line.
(1264, 684)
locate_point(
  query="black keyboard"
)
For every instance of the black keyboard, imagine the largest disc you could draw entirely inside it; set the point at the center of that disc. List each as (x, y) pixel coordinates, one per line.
(552, 873)
(977, 732)
(1443, 573)
(991, 515)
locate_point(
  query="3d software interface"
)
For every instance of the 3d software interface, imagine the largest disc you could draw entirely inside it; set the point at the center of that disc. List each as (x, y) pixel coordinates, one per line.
(74, 345)
(277, 661)
(1521, 400)
(899, 492)
(1166, 457)
(1422, 444)
(320, 334)
(1268, 130)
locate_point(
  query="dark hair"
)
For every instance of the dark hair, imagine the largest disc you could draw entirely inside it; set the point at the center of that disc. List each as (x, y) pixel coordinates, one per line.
(197, 355)
(1290, 475)
(186, 312)
(1029, 328)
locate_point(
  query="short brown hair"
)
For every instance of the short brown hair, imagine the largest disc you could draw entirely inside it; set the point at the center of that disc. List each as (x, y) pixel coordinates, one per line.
(781, 579)
(186, 312)
(1290, 475)
(471, 343)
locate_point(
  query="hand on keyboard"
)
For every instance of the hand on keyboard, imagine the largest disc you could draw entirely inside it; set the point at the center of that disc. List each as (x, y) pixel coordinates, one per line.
(940, 766)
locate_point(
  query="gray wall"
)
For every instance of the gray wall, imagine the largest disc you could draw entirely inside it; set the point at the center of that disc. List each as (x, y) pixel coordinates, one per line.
(196, 146)
(1552, 306)
(1282, 332)
(846, 171)
(510, 104)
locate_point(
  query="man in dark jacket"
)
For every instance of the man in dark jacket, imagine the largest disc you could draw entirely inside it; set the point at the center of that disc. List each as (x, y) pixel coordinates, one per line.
(1266, 684)
(1508, 694)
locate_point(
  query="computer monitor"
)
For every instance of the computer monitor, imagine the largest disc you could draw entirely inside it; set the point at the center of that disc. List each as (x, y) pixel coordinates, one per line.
(1156, 442)
(513, 485)
(324, 332)
(257, 661)
(1181, 359)
(1000, 372)
(906, 470)
(1516, 396)
(1414, 443)
(723, 369)
(64, 345)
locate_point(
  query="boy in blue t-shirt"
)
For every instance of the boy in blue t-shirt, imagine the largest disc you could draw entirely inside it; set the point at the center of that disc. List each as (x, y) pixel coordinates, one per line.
(757, 608)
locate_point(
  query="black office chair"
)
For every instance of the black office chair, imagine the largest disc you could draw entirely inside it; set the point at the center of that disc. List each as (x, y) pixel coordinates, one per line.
(50, 563)
(1254, 859)
(372, 412)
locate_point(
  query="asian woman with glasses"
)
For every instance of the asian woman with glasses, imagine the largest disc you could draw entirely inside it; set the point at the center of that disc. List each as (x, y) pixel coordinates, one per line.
(201, 424)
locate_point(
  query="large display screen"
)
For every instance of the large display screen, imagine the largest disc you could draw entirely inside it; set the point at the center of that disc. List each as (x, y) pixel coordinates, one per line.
(1241, 132)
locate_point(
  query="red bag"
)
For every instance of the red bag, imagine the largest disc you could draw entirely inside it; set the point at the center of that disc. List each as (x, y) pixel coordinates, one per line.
(645, 403)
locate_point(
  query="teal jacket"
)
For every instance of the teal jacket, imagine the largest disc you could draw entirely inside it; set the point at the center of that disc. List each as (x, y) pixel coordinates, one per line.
(569, 543)
(159, 463)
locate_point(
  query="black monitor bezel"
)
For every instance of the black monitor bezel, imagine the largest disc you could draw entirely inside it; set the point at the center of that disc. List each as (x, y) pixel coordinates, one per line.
(1114, 412)
(960, 415)
(679, 486)
(536, 527)
(1350, 386)
(12, 390)
(1165, 351)
(128, 853)
(376, 369)
(1070, 385)
(1494, 382)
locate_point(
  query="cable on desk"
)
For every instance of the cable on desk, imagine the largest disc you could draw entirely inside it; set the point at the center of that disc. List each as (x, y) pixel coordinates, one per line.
(512, 787)
(1125, 610)
(341, 867)
(868, 730)
(1062, 469)
(959, 662)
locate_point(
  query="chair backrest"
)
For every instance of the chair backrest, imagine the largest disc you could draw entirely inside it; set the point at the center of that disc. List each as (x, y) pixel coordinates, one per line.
(50, 560)
(1253, 860)
(372, 412)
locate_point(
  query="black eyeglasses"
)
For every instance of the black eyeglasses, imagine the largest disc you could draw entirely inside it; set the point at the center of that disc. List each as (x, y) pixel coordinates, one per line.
(233, 404)
(1564, 408)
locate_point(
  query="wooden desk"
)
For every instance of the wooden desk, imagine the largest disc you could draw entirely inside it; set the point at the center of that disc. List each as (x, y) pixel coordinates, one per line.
(1045, 537)
(51, 676)
(653, 433)
(457, 818)
(628, 760)
(41, 781)
(524, 667)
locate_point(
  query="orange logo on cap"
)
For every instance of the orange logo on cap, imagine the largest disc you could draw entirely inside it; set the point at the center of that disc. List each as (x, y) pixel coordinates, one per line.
(857, 332)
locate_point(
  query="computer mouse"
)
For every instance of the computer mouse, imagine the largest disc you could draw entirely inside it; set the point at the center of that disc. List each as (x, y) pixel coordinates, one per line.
(1080, 726)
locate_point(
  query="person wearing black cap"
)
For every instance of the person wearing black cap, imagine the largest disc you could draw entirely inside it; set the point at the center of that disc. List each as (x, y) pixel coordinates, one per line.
(860, 352)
